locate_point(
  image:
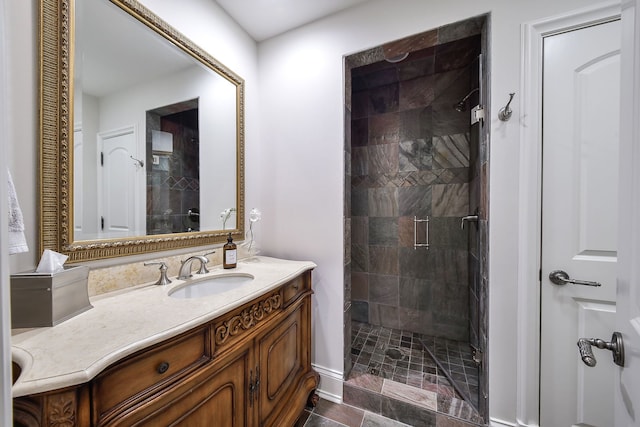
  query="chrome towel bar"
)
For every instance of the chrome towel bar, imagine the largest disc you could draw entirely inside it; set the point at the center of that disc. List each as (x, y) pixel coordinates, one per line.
(425, 243)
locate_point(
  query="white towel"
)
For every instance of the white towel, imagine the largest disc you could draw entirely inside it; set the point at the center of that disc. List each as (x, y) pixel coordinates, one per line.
(17, 240)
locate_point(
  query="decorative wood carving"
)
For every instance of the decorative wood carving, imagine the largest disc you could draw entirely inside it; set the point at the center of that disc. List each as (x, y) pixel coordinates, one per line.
(248, 318)
(62, 410)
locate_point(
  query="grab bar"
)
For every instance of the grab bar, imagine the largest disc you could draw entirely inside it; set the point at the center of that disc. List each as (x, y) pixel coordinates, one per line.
(425, 244)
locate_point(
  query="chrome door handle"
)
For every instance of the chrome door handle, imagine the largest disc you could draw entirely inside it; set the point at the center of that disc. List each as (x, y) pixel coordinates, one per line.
(559, 277)
(616, 346)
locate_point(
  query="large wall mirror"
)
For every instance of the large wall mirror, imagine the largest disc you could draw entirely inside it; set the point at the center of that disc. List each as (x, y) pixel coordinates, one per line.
(142, 134)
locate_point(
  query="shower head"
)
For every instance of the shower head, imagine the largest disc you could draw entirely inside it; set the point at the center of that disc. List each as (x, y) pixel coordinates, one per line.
(398, 58)
(461, 105)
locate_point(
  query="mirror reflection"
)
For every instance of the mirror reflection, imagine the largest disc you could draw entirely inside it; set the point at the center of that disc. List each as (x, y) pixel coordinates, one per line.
(155, 132)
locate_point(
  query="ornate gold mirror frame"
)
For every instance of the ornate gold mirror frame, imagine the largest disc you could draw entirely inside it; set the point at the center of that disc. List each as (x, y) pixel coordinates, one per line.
(56, 145)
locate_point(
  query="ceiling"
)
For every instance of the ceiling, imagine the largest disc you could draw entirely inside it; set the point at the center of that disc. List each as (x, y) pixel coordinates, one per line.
(263, 19)
(114, 51)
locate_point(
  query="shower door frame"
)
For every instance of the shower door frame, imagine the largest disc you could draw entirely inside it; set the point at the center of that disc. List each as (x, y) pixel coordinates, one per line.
(483, 196)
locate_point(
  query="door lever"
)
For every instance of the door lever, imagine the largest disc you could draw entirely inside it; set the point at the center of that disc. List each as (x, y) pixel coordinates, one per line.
(559, 277)
(616, 346)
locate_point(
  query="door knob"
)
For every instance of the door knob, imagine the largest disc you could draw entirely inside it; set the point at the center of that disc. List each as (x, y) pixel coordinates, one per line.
(559, 277)
(616, 346)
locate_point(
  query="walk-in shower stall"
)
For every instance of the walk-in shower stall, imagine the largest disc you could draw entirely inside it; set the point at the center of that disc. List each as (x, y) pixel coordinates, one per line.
(416, 224)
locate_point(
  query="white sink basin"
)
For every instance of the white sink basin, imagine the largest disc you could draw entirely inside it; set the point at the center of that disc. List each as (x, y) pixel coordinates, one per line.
(211, 285)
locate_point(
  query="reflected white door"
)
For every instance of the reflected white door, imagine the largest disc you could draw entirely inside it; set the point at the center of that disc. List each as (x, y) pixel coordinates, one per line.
(118, 183)
(581, 114)
(78, 181)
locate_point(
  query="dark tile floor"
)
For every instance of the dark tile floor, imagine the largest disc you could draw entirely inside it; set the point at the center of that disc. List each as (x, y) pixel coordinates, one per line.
(456, 360)
(394, 376)
(329, 414)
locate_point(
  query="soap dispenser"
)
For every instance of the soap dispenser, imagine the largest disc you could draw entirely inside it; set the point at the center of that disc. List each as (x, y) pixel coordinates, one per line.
(229, 254)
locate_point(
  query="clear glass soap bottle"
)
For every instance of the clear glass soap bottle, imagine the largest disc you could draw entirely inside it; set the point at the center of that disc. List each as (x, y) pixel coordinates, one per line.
(229, 254)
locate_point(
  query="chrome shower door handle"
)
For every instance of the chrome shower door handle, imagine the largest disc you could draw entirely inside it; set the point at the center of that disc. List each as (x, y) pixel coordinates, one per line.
(559, 277)
(616, 346)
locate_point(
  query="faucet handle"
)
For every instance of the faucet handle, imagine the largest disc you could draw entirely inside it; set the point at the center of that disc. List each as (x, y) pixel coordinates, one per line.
(163, 280)
(203, 265)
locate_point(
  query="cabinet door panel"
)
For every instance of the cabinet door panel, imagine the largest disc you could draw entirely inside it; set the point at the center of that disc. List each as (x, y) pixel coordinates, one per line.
(283, 359)
(282, 355)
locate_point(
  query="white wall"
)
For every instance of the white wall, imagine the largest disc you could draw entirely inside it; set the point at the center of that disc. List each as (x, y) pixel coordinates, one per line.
(301, 88)
(5, 315)
(21, 20)
(206, 24)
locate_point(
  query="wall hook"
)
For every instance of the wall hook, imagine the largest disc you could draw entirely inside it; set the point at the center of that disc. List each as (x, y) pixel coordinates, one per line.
(505, 113)
(138, 162)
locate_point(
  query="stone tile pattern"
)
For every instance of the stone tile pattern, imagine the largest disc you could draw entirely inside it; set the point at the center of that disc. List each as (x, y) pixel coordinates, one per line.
(411, 155)
(173, 186)
(329, 414)
(411, 375)
(421, 129)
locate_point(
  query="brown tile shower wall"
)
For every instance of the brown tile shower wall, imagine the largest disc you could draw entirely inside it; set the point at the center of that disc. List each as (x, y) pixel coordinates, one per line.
(410, 156)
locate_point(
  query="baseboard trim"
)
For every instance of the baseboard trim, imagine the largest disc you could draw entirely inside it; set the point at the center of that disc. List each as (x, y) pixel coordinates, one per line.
(493, 422)
(501, 423)
(330, 383)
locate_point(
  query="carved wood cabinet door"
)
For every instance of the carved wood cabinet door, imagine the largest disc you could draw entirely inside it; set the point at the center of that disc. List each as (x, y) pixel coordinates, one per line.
(282, 353)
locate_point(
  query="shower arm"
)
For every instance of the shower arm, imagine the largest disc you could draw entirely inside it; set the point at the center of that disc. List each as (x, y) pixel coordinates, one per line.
(460, 105)
(469, 94)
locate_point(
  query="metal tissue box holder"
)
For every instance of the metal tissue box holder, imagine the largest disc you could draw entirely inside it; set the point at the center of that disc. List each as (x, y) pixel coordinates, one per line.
(46, 299)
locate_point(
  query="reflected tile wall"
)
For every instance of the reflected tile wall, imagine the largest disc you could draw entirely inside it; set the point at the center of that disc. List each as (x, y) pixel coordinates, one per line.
(173, 184)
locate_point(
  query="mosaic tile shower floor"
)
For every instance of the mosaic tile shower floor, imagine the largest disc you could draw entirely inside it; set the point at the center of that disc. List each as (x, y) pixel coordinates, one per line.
(394, 364)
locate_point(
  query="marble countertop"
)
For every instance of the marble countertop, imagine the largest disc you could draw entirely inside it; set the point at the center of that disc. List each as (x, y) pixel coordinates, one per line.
(121, 323)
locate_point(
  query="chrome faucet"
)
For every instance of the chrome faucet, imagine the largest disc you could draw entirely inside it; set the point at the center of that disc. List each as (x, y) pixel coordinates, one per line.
(203, 265)
(163, 280)
(185, 269)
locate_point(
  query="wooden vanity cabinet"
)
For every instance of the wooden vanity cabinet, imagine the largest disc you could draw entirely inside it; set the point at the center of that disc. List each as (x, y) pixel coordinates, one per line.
(248, 367)
(215, 395)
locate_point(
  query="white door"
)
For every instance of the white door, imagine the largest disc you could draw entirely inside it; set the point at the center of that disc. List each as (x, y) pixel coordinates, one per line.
(118, 182)
(581, 114)
(627, 381)
(78, 181)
